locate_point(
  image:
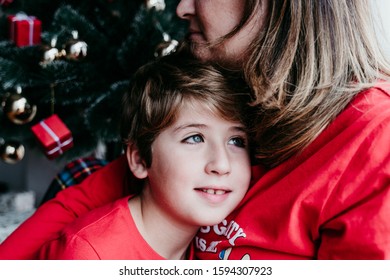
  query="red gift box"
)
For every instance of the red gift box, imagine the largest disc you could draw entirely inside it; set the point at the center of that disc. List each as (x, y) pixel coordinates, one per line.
(24, 30)
(53, 135)
(5, 2)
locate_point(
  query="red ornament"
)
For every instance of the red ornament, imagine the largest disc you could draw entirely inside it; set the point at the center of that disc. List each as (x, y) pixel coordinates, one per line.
(53, 135)
(5, 2)
(24, 30)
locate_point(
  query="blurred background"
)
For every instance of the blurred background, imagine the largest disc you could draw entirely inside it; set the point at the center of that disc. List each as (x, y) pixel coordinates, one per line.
(72, 60)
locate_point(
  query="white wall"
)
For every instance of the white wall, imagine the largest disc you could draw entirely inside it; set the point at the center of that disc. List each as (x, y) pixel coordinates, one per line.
(382, 7)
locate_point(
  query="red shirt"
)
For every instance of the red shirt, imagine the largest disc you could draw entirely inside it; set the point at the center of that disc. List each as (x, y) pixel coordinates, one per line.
(332, 201)
(105, 233)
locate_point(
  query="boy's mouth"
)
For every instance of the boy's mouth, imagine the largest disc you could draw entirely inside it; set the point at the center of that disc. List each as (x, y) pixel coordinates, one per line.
(213, 191)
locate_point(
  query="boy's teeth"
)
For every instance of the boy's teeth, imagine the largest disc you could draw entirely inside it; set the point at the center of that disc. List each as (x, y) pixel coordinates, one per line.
(220, 192)
(211, 191)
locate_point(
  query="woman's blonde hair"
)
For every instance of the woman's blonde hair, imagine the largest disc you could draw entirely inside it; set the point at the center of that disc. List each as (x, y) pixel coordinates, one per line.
(308, 62)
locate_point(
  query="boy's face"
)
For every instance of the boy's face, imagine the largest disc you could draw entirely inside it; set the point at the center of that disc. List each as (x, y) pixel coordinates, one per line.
(200, 168)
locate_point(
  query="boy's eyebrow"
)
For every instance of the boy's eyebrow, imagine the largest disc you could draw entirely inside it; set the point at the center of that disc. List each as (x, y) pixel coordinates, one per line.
(240, 128)
(190, 125)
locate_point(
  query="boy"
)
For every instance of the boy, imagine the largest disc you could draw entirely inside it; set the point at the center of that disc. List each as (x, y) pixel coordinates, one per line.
(187, 140)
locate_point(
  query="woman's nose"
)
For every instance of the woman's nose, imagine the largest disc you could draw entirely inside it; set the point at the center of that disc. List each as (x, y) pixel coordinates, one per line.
(185, 9)
(218, 162)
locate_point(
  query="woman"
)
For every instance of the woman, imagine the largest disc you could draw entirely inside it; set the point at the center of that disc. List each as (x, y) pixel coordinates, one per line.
(322, 186)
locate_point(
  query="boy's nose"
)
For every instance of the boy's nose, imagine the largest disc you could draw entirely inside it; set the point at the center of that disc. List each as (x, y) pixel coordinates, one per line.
(218, 162)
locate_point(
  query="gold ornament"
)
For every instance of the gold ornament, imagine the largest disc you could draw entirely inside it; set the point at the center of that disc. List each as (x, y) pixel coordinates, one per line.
(18, 109)
(50, 53)
(159, 5)
(166, 47)
(11, 151)
(75, 49)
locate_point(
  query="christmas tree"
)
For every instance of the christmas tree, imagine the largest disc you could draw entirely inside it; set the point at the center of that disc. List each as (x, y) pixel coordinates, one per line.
(77, 66)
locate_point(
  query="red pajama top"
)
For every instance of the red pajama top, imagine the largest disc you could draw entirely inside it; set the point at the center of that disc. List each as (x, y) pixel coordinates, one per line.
(332, 201)
(105, 233)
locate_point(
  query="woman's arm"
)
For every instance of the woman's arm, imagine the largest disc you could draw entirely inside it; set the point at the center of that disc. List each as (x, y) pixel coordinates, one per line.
(100, 188)
(359, 226)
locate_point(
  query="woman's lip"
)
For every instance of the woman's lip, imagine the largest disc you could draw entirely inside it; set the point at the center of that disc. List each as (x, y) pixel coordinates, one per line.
(195, 36)
(194, 30)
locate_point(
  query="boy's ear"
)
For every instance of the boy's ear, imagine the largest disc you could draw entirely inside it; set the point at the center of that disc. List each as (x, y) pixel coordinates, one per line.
(135, 161)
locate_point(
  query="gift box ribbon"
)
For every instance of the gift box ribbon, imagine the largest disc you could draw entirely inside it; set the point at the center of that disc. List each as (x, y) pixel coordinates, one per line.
(56, 139)
(21, 17)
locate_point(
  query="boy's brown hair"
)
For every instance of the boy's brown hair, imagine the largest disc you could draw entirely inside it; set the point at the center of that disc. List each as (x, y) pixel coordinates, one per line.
(160, 88)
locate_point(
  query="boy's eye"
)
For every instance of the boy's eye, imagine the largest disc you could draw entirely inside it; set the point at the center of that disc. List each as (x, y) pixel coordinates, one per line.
(194, 139)
(238, 141)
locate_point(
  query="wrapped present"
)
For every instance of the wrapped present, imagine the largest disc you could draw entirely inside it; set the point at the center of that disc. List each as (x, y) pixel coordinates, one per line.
(24, 30)
(5, 2)
(53, 135)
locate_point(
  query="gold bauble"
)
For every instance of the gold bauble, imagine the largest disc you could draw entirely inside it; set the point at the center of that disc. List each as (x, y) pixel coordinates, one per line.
(159, 5)
(75, 50)
(11, 152)
(49, 55)
(18, 110)
(166, 48)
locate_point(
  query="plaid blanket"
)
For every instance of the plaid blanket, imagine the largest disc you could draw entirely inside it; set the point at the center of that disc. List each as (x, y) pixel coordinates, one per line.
(73, 173)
